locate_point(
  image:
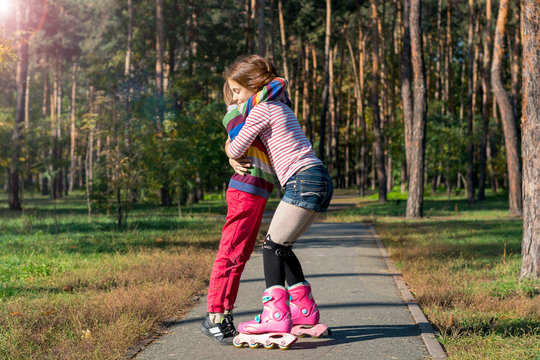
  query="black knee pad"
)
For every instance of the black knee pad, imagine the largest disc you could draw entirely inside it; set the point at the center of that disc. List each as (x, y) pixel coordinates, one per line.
(280, 250)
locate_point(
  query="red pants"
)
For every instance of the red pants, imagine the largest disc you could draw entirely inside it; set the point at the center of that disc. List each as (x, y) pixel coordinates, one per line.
(244, 215)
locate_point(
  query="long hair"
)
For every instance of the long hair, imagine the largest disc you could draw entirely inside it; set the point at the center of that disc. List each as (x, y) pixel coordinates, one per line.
(252, 72)
(227, 94)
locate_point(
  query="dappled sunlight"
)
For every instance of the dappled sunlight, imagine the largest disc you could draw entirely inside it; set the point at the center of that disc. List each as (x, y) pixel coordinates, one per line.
(462, 263)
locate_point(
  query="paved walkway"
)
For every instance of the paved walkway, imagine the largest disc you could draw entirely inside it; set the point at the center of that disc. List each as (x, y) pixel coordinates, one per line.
(357, 297)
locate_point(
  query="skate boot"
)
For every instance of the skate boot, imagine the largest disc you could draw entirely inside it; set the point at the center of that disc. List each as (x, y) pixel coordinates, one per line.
(272, 327)
(223, 332)
(304, 312)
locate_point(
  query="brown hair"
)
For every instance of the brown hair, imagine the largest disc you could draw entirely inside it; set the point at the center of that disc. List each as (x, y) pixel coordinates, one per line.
(227, 94)
(252, 72)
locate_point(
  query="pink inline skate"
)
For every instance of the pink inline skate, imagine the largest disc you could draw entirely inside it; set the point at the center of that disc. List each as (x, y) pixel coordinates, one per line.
(304, 312)
(270, 328)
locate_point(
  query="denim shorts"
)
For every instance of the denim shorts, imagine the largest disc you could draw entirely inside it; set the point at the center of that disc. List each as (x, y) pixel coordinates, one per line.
(310, 189)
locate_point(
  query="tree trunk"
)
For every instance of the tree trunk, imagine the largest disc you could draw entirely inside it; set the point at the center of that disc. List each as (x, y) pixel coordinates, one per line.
(331, 112)
(44, 179)
(198, 187)
(252, 15)
(247, 27)
(337, 122)
(360, 139)
(179, 199)
(462, 91)
(314, 85)
(363, 167)
(374, 100)
(54, 135)
(439, 49)
(530, 138)
(507, 113)
(164, 191)
(272, 32)
(415, 199)
(347, 142)
(393, 88)
(403, 186)
(406, 95)
(59, 95)
(89, 159)
(373, 168)
(27, 102)
(470, 107)
(284, 50)
(306, 109)
(22, 70)
(516, 60)
(477, 43)
(128, 90)
(260, 28)
(385, 119)
(80, 171)
(129, 46)
(159, 66)
(486, 101)
(448, 98)
(297, 80)
(322, 134)
(119, 210)
(73, 132)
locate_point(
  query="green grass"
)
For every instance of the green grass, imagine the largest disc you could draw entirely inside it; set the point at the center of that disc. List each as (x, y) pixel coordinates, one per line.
(30, 250)
(462, 262)
(93, 291)
(87, 290)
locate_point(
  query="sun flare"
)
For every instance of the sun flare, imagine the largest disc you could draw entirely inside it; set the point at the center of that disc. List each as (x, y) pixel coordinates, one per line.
(6, 7)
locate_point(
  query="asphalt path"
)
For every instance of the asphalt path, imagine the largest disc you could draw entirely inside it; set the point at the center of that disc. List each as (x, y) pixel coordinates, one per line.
(357, 297)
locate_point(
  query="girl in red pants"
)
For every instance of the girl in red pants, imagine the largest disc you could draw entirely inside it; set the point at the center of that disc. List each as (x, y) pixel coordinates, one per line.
(247, 195)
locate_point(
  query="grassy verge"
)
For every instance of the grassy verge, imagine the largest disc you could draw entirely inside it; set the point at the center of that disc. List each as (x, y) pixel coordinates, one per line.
(462, 263)
(91, 291)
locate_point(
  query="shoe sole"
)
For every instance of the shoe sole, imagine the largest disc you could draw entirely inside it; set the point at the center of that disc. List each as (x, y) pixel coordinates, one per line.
(206, 332)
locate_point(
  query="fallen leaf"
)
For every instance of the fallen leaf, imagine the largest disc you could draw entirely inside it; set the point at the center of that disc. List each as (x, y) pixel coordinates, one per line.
(16, 313)
(86, 334)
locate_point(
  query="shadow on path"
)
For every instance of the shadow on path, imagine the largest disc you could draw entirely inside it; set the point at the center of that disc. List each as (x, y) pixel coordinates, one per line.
(321, 306)
(355, 333)
(324, 276)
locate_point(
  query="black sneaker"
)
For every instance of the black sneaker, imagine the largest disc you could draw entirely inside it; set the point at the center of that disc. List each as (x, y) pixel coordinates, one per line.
(223, 333)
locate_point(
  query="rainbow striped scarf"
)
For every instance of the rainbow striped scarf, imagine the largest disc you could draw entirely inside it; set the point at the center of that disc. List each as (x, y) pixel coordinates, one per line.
(259, 179)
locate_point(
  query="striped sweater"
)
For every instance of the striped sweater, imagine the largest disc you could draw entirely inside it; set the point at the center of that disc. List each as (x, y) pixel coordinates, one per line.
(259, 179)
(289, 149)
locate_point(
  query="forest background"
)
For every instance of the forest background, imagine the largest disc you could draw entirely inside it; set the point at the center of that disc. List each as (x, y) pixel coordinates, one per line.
(119, 103)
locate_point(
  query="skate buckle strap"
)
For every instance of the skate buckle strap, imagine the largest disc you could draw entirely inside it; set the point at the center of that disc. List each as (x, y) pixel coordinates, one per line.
(267, 299)
(258, 318)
